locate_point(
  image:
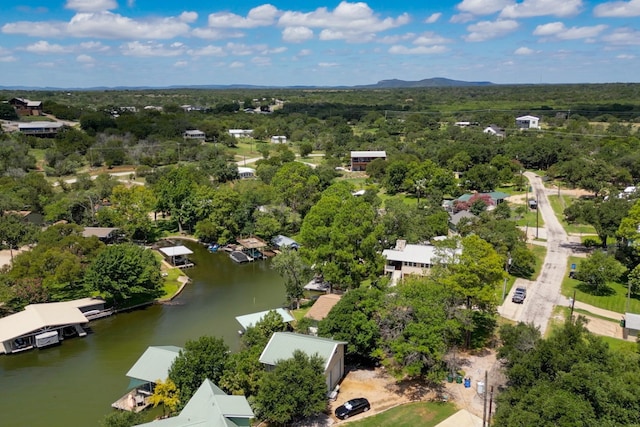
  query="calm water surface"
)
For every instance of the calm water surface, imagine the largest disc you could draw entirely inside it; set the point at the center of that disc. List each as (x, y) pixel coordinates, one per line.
(75, 383)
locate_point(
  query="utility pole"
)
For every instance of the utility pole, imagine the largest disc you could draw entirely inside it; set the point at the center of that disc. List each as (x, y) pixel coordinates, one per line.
(490, 405)
(484, 398)
(537, 213)
(573, 303)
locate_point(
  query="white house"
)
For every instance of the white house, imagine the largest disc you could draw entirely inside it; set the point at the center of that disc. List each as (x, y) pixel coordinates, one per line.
(241, 133)
(194, 134)
(528, 122)
(494, 130)
(246, 173)
(407, 259)
(282, 345)
(43, 129)
(278, 139)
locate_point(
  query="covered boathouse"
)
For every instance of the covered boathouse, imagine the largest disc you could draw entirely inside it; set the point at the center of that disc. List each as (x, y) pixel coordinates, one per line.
(42, 325)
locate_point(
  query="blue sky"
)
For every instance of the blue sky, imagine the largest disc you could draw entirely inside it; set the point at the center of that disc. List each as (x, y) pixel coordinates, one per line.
(87, 43)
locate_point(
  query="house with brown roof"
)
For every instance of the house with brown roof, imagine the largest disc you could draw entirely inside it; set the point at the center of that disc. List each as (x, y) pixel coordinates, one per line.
(26, 107)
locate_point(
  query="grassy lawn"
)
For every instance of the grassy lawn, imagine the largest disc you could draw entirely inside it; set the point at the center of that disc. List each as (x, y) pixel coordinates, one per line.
(540, 253)
(171, 284)
(559, 205)
(529, 219)
(616, 301)
(621, 346)
(425, 414)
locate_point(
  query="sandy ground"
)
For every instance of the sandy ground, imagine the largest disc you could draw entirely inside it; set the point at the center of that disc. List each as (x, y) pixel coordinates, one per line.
(5, 256)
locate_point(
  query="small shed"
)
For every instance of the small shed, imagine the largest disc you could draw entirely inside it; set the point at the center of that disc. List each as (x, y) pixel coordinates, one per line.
(104, 234)
(631, 325)
(249, 320)
(246, 173)
(177, 255)
(282, 345)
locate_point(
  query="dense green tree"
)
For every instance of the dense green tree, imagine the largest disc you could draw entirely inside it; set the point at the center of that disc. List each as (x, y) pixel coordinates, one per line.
(571, 378)
(354, 320)
(341, 236)
(131, 207)
(278, 402)
(295, 272)
(204, 358)
(604, 215)
(482, 177)
(14, 232)
(7, 112)
(297, 186)
(599, 269)
(123, 271)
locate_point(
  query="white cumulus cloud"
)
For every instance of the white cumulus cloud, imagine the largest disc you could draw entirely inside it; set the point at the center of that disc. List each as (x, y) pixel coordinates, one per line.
(44, 47)
(209, 50)
(482, 7)
(524, 51)
(623, 37)
(91, 5)
(149, 49)
(559, 31)
(351, 21)
(430, 38)
(85, 59)
(257, 17)
(618, 9)
(531, 8)
(416, 50)
(433, 18)
(487, 30)
(297, 34)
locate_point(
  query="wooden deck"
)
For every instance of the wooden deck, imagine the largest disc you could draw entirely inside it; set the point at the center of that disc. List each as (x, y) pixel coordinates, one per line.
(133, 401)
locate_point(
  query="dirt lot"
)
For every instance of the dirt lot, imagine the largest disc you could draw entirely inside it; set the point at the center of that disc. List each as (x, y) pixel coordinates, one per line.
(380, 389)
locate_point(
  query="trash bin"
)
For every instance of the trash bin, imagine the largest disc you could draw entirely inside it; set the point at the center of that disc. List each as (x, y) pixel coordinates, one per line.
(450, 378)
(459, 379)
(622, 322)
(467, 382)
(480, 387)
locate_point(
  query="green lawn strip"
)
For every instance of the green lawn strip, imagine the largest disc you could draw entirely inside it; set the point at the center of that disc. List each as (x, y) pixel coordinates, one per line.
(300, 313)
(558, 205)
(171, 284)
(597, 316)
(558, 317)
(529, 219)
(425, 414)
(617, 301)
(540, 253)
(622, 346)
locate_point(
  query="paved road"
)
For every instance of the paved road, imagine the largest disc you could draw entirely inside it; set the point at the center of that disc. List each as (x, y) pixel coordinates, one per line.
(544, 293)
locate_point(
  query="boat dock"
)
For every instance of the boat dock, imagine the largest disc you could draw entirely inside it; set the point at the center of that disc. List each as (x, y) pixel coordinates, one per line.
(134, 401)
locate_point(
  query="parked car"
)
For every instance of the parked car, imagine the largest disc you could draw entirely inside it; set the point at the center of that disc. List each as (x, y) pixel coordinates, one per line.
(519, 295)
(352, 407)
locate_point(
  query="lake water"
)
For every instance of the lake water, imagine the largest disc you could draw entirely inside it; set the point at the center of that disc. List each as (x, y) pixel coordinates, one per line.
(75, 383)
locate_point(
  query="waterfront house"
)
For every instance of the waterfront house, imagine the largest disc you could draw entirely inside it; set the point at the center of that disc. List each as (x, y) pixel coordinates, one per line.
(177, 256)
(42, 325)
(250, 320)
(210, 407)
(153, 365)
(282, 345)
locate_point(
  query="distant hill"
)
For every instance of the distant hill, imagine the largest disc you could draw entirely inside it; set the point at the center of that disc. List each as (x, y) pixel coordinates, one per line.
(383, 84)
(433, 82)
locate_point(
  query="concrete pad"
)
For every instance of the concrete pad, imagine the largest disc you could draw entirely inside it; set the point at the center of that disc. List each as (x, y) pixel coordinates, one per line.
(462, 418)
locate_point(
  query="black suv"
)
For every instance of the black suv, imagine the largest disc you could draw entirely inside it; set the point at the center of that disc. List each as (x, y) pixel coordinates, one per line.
(352, 407)
(519, 295)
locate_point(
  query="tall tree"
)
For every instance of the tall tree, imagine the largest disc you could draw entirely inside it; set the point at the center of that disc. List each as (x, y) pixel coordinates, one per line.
(204, 358)
(278, 402)
(295, 272)
(123, 271)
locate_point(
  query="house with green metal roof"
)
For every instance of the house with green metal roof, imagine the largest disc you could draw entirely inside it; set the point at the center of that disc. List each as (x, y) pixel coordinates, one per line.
(282, 345)
(210, 407)
(153, 365)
